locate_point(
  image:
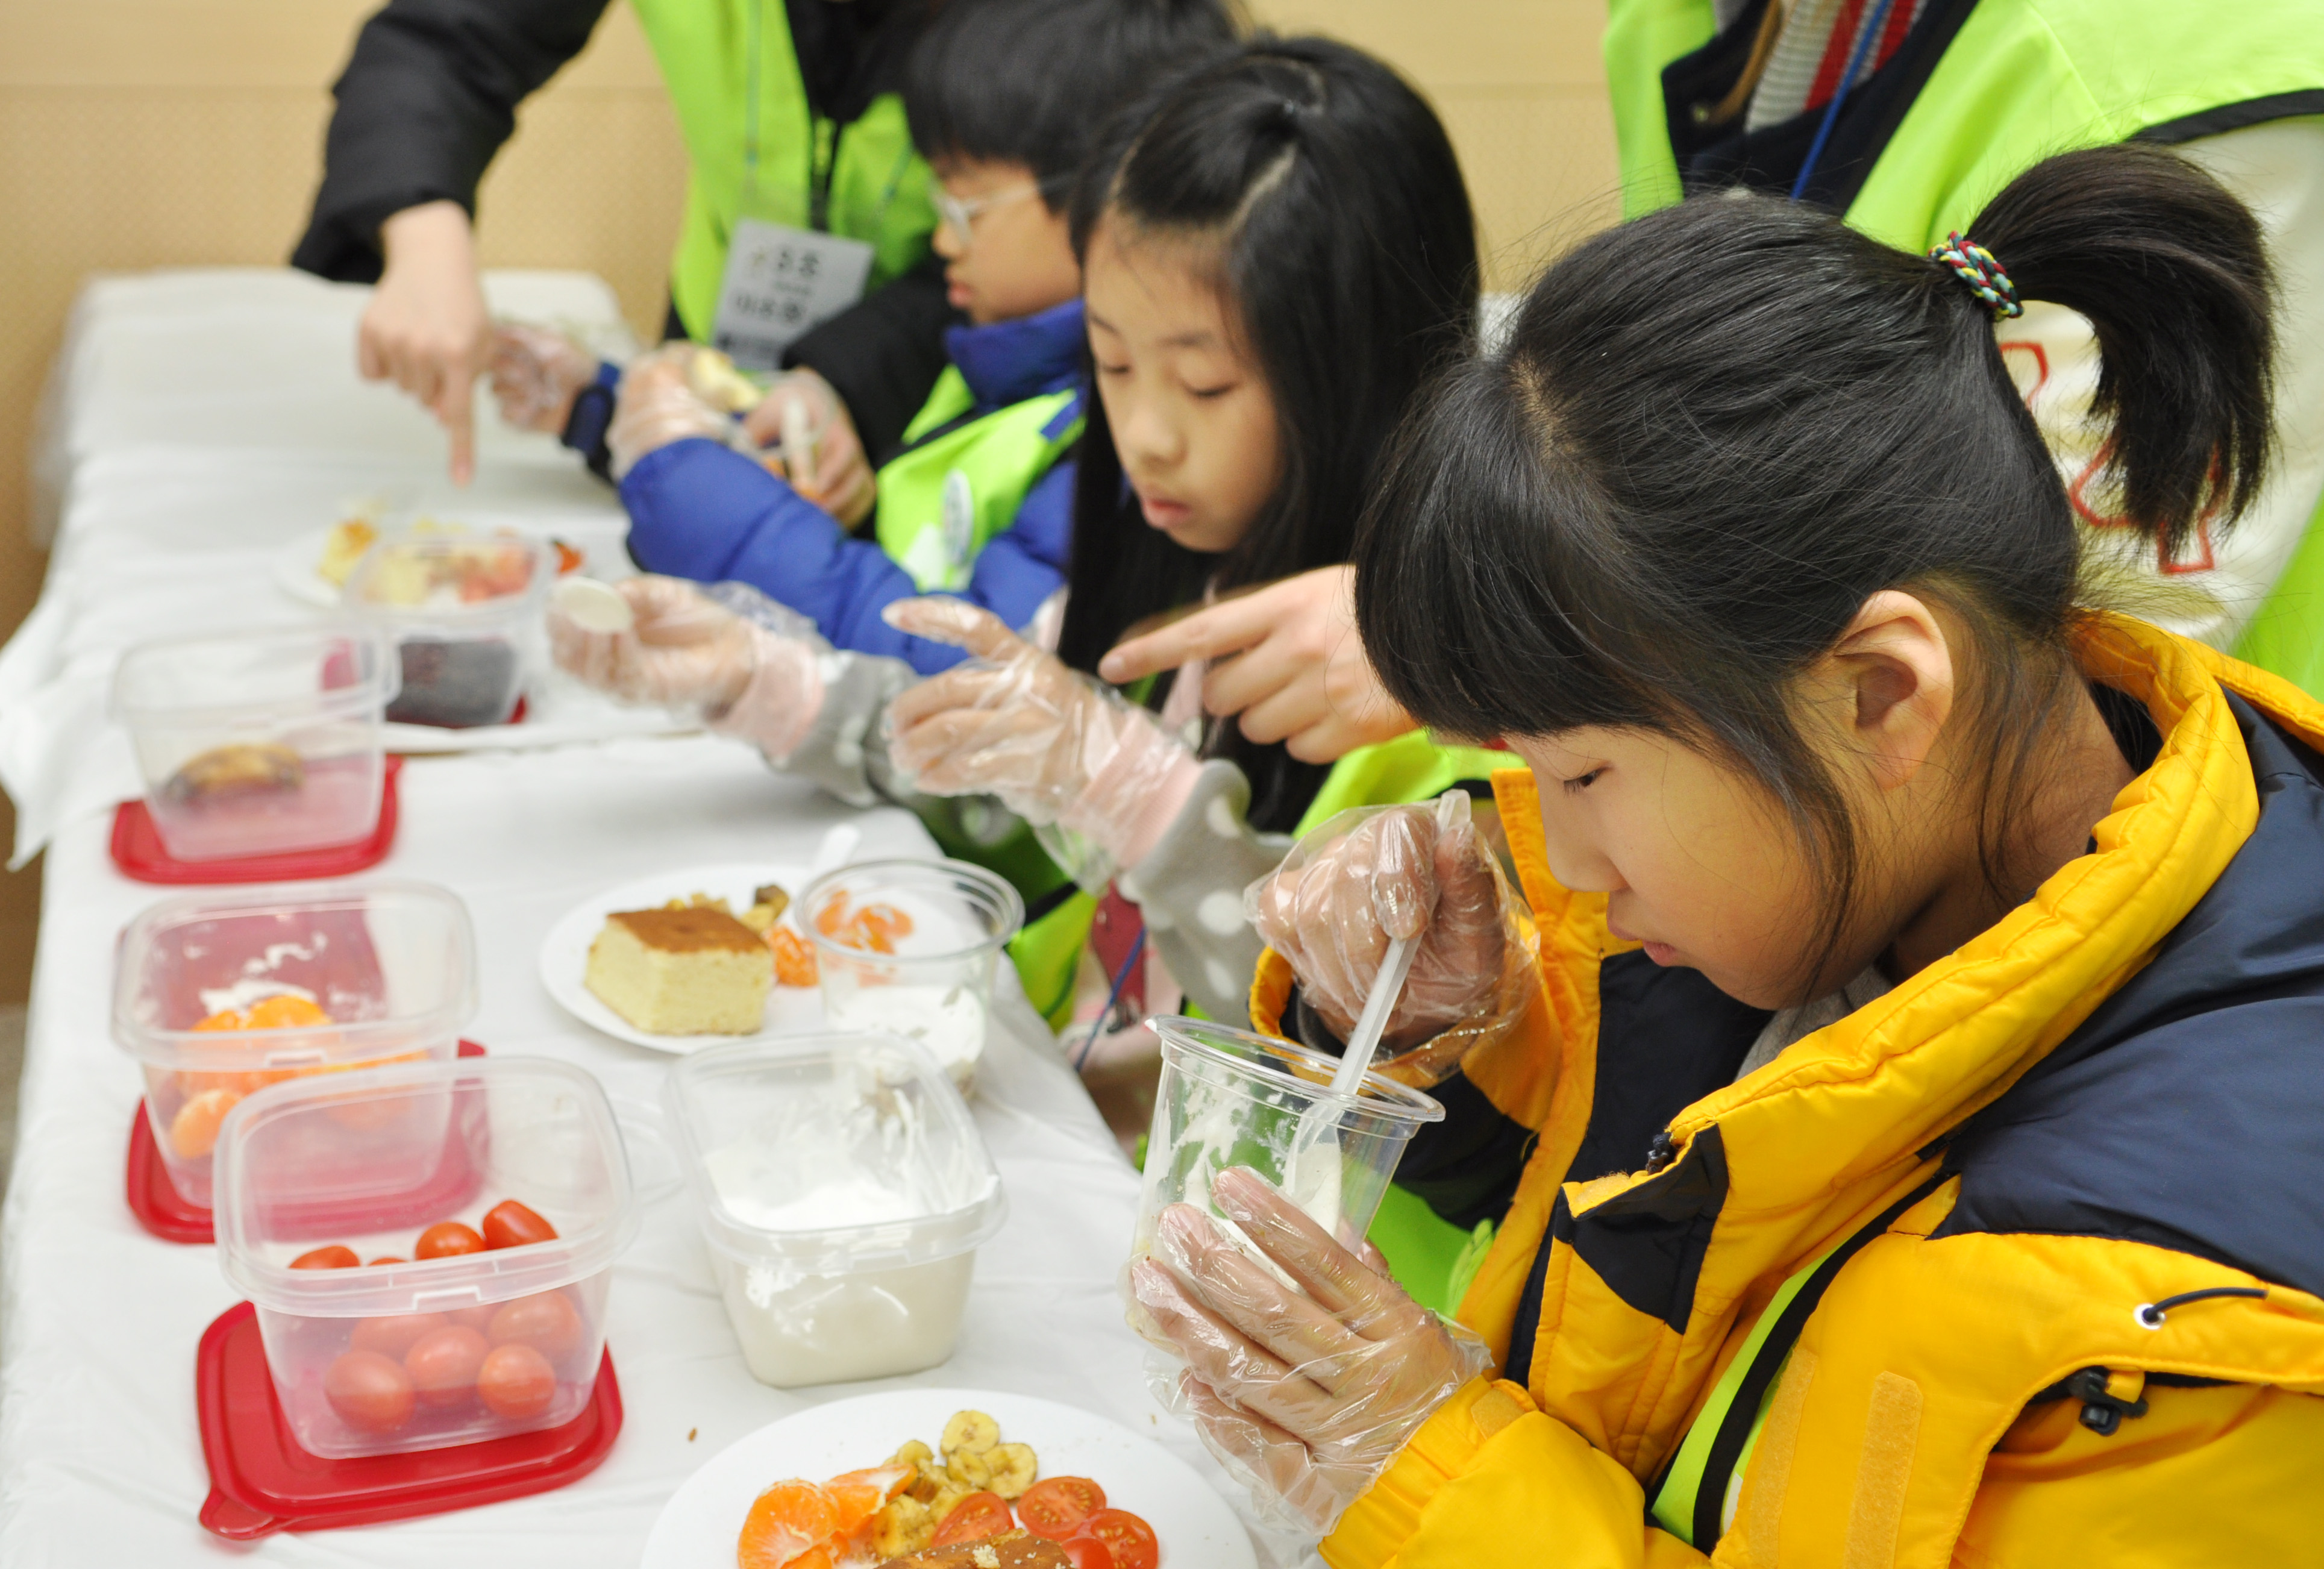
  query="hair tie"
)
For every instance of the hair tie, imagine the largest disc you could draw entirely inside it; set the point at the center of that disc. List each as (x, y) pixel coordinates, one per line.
(1974, 265)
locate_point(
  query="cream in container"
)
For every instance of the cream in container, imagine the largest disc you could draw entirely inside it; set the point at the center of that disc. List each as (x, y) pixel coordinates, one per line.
(842, 1190)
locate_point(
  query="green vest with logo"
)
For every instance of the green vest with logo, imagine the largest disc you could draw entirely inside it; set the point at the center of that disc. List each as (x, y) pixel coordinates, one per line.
(2021, 80)
(951, 490)
(717, 56)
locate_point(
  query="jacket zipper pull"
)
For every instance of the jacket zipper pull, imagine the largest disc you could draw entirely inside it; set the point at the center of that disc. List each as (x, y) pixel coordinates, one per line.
(2107, 1397)
(1660, 1153)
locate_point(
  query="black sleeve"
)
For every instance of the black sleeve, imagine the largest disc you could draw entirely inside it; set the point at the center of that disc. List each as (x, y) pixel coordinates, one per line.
(426, 99)
(883, 355)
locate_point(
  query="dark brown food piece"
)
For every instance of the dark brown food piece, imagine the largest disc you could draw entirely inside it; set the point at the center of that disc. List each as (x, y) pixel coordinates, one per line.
(1008, 1550)
(685, 931)
(773, 896)
(239, 770)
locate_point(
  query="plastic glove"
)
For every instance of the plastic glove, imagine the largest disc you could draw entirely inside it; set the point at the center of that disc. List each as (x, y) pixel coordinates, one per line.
(1374, 873)
(426, 328)
(1054, 746)
(751, 667)
(838, 478)
(658, 405)
(537, 372)
(1307, 1391)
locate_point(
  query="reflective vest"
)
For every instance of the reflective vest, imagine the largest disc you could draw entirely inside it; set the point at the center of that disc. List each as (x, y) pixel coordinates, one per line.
(2021, 80)
(874, 187)
(949, 491)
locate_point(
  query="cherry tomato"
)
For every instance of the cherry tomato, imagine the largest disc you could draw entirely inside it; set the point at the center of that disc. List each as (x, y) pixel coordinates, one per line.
(334, 1257)
(516, 1381)
(444, 1364)
(391, 1335)
(1087, 1553)
(478, 1318)
(1130, 1539)
(1055, 1507)
(545, 1321)
(388, 1258)
(509, 1224)
(975, 1517)
(448, 1240)
(371, 1393)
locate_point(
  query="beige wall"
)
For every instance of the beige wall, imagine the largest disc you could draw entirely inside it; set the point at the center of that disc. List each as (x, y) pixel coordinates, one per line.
(158, 133)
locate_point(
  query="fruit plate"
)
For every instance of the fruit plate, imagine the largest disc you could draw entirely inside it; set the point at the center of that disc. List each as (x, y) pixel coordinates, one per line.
(1195, 1526)
(565, 952)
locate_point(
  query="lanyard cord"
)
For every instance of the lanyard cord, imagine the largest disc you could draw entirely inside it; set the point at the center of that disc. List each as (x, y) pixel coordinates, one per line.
(1872, 31)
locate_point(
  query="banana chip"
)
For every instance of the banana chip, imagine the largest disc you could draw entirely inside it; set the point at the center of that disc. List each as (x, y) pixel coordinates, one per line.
(1013, 1468)
(972, 1431)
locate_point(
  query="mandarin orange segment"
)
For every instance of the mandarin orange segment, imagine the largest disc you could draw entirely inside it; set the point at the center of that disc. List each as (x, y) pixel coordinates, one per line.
(886, 919)
(833, 915)
(283, 1012)
(794, 958)
(787, 1528)
(193, 1131)
(226, 1019)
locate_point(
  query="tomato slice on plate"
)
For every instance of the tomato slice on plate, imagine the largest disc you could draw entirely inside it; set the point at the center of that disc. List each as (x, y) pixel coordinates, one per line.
(1055, 1507)
(975, 1517)
(1130, 1539)
(1087, 1553)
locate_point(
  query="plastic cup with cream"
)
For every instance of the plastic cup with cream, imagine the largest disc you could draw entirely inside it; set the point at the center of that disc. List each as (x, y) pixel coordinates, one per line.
(1228, 1097)
(842, 1190)
(941, 924)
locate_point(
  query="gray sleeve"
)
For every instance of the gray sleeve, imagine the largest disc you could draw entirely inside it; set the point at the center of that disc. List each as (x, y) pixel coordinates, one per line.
(1190, 885)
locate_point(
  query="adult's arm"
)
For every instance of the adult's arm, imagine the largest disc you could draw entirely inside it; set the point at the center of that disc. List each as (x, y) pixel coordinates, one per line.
(702, 511)
(883, 355)
(427, 98)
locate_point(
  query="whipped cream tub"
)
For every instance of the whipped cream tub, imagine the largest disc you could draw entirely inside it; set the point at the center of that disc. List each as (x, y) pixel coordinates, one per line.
(842, 1190)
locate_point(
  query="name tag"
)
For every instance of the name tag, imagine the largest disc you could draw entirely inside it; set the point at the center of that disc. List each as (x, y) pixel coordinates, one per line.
(780, 282)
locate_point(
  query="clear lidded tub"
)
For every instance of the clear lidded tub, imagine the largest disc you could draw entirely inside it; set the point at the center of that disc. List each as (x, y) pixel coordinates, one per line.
(423, 1353)
(465, 612)
(909, 948)
(391, 964)
(1230, 1097)
(842, 1190)
(260, 742)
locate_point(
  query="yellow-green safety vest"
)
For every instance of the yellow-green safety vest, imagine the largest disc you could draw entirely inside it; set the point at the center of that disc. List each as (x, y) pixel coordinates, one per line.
(949, 491)
(730, 63)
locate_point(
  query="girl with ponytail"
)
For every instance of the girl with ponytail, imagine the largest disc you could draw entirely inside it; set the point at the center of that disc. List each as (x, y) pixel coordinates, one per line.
(1914, 1001)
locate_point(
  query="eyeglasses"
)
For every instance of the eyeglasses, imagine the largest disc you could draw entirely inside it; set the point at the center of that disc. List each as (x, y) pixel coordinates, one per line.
(959, 216)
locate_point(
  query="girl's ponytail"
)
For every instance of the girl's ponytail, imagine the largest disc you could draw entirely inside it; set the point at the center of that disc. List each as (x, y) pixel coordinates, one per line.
(2168, 269)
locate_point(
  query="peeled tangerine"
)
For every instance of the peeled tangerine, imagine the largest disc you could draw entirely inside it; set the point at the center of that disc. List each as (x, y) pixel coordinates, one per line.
(804, 1525)
(193, 1131)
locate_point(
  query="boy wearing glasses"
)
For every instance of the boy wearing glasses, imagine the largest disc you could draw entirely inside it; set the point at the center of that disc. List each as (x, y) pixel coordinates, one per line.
(1004, 96)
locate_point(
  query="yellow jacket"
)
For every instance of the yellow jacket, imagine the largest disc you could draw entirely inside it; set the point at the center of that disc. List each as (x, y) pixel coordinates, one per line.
(2114, 1096)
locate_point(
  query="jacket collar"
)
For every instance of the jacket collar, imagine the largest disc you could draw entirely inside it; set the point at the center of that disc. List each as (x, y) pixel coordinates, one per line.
(1008, 362)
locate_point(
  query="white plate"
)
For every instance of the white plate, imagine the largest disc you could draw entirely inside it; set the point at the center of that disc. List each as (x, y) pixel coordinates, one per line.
(1196, 1527)
(564, 953)
(295, 561)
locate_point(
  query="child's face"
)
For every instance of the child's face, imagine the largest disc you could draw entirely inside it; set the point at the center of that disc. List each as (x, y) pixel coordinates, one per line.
(1695, 860)
(1017, 257)
(1193, 418)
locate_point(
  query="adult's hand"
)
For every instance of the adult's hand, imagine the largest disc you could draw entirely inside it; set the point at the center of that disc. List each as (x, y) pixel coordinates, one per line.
(839, 478)
(427, 329)
(1286, 658)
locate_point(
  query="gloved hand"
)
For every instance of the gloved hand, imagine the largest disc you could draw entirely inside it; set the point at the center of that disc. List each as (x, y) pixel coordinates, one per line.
(837, 476)
(1305, 1392)
(658, 405)
(537, 372)
(1055, 746)
(750, 667)
(1373, 873)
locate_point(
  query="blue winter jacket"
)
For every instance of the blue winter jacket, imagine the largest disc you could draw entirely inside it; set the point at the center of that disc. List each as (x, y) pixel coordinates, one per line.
(704, 512)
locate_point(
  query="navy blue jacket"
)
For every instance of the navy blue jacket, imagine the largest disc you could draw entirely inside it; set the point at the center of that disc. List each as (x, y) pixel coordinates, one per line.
(702, 511)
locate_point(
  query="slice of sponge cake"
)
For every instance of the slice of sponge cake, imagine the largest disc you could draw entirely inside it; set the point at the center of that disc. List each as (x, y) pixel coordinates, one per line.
(682, 972)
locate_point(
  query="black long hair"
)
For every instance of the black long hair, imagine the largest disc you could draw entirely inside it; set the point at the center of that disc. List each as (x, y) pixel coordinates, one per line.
(1347, 257)
(1716, 430)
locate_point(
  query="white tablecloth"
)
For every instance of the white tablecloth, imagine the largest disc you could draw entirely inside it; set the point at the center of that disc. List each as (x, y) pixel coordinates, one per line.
(99, 1461)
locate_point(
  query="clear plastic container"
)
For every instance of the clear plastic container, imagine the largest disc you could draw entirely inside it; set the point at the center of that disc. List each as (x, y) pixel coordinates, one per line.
(392, 964)
(1228, 1097)
(843, 1189)
(387, 1357)
(464, 612)
(945, 923)
(259, 743)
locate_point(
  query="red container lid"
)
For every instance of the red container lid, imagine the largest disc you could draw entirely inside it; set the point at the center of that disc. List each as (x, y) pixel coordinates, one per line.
(138, 851)
(262, 1481)
(154, 1200)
